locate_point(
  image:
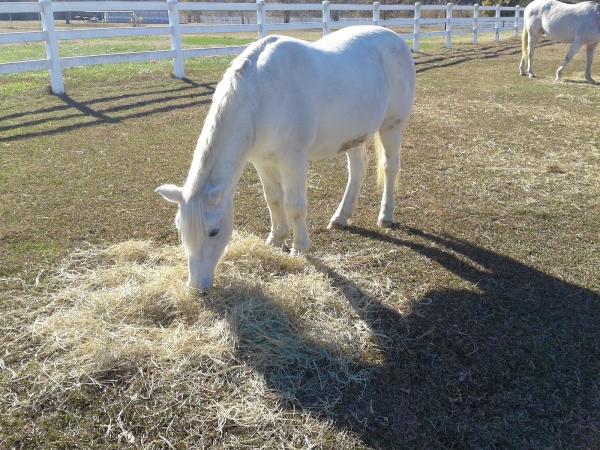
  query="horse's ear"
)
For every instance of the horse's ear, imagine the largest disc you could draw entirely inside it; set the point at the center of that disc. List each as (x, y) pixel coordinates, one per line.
(170, 192)
(214, 195)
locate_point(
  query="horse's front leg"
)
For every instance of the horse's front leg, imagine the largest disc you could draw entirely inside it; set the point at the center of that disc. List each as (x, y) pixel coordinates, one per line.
(293, 179)
(356, 174)
(591, 48)
(575, 46)
(273, 191)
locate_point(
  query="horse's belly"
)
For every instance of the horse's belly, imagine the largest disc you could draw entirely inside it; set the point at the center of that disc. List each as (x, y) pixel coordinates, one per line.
(331, 149)
(557, 33)
(347, 123)
(559, 26)
(330, 145)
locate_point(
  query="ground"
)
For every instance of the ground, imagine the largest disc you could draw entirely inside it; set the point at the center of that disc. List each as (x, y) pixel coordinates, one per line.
(484, 302)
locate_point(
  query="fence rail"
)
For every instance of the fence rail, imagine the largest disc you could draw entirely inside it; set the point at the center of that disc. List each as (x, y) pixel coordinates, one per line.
(474, 24)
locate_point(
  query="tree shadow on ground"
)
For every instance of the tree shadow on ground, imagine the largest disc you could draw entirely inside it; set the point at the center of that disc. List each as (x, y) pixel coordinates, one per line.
(513, 363)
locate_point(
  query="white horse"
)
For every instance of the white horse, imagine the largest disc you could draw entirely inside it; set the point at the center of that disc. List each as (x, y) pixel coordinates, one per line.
(282, 103)
(578, 24)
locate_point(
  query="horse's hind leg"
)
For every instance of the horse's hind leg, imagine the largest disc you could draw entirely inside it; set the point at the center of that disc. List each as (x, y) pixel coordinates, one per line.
(271, 181)
(591, 48)
(575, 46)
(391, 139)
(531, 41)
(356, 174)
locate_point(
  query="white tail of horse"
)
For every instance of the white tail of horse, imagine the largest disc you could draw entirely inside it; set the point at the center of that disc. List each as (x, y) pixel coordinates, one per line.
(379, 153)
(380, 160)
(524, 38)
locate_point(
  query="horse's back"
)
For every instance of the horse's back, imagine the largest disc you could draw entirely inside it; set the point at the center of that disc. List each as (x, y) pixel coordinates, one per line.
(349, 46)
(373, 56)
(342, 87)
(360, 36)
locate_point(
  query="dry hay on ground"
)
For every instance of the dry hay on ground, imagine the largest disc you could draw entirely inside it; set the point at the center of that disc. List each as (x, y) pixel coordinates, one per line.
(133, 356)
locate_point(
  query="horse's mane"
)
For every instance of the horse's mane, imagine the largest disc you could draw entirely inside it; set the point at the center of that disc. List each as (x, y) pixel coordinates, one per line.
(228, 90)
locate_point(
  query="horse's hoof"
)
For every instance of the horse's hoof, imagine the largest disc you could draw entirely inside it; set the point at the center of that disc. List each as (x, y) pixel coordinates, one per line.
(590, 80)
(382, 223)
(334, 226)
(295, 252)
(531, 75)
(275, 242)
(523, 74)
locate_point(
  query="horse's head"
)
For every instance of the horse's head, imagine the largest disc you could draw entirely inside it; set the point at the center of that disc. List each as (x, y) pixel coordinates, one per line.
(205, 224)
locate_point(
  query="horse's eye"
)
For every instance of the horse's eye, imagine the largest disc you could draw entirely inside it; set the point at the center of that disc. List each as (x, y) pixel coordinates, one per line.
(213, 233)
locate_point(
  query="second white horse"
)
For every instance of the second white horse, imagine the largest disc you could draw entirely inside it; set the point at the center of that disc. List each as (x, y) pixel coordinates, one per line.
(577, 24)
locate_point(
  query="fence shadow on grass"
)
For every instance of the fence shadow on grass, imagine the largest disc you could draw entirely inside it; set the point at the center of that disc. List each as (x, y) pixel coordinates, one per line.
(513, 363)
(72, 114)
(453, 58)
(75, 114)
(594, 83)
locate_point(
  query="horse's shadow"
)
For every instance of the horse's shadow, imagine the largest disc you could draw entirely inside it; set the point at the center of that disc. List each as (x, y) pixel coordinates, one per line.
(514, 363)
(585, 82)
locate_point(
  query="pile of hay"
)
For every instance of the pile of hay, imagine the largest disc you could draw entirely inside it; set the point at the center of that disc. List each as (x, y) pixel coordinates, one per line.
(116, 350)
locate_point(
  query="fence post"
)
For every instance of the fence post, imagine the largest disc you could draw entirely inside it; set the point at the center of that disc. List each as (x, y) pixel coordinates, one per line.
(52, 54)
(260, 18)
(475, 22)
(517, 18)
(326, 17)
(178, 70)
(448, 25)
(497, 24)
(417, 27)
(375, 13)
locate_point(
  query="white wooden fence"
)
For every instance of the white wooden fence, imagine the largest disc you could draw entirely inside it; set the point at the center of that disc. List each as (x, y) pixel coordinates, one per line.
(470, 22)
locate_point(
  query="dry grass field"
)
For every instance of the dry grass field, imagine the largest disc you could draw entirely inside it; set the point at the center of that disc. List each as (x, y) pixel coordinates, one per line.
(475, 323)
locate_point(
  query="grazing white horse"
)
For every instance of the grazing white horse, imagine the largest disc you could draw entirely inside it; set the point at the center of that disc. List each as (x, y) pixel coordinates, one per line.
(578, 24)
(282, 103)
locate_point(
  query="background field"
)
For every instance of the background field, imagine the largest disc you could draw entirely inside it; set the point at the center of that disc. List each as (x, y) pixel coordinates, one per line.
(484, 302)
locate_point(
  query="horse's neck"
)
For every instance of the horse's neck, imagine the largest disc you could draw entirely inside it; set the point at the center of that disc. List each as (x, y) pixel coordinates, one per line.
(222, 150)
(230, 157)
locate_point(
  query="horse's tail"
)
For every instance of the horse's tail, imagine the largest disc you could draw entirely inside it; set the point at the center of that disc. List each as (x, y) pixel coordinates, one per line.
(524, 39)
(379, 152)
